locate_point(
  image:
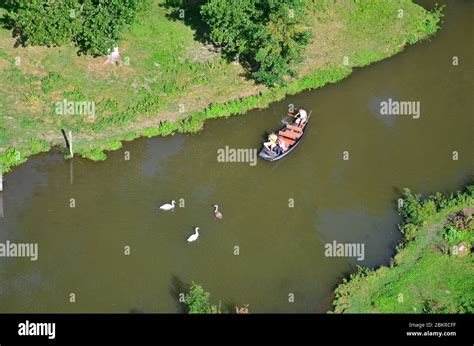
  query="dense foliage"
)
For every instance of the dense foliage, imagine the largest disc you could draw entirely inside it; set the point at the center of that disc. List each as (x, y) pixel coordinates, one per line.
(266, 35)
(95, 26)
(417, 212)
(198, 301)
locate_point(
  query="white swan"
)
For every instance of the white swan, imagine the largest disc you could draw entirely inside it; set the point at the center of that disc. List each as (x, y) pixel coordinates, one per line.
(167, 206)
(113, 57)
(194, 236)
(217, 213)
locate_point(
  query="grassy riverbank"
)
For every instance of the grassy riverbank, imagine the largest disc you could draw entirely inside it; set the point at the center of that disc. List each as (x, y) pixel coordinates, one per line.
(171, 82)
(433, 271)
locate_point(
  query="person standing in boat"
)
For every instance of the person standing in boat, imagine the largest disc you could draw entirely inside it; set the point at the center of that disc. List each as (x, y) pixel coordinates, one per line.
(272, 142)
(301, 117)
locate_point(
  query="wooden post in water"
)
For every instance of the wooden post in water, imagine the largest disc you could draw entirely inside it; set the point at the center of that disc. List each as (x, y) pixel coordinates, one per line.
(70, 145)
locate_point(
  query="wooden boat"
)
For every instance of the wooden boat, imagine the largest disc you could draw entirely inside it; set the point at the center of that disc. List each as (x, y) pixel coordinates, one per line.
(292, 135)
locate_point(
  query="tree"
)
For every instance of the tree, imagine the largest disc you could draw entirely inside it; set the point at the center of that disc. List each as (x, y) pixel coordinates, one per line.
(267, 36)
(198, 301)
(95, 26)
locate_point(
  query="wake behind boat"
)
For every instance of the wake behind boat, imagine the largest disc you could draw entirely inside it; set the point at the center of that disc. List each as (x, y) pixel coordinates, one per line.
(281, 144)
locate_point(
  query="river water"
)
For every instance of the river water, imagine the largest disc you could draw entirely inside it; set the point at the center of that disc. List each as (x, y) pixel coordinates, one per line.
(263, 253)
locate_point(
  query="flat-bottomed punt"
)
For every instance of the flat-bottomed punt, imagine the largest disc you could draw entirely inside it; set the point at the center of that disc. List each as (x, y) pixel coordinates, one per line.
(291, 134)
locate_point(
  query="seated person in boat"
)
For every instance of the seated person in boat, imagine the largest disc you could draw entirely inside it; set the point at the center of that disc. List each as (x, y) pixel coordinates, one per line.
(301, 117)
(281, 146)
(272, 142)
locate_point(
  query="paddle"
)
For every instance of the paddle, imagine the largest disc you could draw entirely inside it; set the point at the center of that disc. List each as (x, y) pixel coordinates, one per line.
(286, 120)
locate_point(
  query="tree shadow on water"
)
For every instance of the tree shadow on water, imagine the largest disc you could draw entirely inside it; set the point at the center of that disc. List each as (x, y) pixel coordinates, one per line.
(136, 311)
(179, 287)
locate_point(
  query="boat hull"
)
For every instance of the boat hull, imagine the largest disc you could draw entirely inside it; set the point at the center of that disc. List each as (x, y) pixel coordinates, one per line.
(272, 156)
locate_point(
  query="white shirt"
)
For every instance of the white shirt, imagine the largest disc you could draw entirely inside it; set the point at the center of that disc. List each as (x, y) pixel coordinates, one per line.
(303, 114)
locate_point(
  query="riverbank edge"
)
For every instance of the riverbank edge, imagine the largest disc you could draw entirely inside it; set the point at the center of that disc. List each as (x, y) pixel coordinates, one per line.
(344, 291)
(194, 122)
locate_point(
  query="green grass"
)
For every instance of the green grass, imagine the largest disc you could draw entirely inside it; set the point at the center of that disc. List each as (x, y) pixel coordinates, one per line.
(169, 78)
(94, 154)
(13, 157)
(425, 277)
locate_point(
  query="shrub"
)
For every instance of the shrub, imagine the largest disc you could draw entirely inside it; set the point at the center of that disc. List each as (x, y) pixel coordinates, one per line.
(198, 300)
(414, 210)
(409, 231)
(452, 234)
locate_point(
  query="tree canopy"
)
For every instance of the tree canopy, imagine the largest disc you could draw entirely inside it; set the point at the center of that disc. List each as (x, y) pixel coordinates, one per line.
(95, 26)
(267, 36)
